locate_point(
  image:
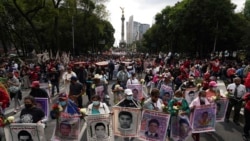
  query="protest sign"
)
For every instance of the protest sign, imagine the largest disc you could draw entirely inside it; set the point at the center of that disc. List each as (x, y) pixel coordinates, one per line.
(204, 118)
(154, 125)
(126, 121)
(180, 128)
(43, 103)
(221, 109)
(24, 131)
(99, 127)
(137, 90)
(68, 128)
(191, 94)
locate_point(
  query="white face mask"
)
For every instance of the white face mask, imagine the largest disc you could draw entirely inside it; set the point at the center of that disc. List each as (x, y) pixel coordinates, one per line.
(178, 98)
(202, 98)
(96, 103)
(214, 88)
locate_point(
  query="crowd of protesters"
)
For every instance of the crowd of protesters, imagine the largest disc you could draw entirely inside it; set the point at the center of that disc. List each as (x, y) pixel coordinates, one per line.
(83, 75)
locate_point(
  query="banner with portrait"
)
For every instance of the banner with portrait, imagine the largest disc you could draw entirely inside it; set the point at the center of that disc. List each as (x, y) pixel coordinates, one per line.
(99, 127)
(203, 118)
(154, 125)
(137, 90)
(118, 95)
(166, 93)
(222, 88)
(68, 128)
(191, 94)
(99, 90)
(180, 128)
(43, 103)
(24, 131)
(126, 121)
(221, 109)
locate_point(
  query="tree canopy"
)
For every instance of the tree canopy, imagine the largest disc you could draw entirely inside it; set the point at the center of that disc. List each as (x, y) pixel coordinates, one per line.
(198, 26)
(49, 25)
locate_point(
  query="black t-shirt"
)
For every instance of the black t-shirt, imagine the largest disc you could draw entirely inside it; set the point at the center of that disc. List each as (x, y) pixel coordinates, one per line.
(76, 88)
(54, 76)
(32, 115)
(38, 92)
(128, 103)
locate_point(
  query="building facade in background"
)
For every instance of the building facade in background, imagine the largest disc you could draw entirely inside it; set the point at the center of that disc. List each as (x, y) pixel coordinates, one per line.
(135, 30)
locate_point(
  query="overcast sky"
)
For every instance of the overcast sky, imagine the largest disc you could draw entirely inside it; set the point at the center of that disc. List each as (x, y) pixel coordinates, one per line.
(142, 10)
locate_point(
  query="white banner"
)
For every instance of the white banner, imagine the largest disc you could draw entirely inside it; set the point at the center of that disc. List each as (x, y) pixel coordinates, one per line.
(126, 121)
(24, 131)
(99, 128)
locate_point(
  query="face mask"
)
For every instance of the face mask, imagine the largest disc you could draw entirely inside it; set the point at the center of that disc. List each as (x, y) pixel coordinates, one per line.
(129, 97)
(202, 98)
(27, 106)
(178, 98)
(63, 103)
(96, 103)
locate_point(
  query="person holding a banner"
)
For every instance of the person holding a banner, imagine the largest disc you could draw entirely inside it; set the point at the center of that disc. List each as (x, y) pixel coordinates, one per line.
(200, 100)
(31, 114)
(97, 107)
(67, 104)
(132, 80)
(129, 101)
(178, 106)
(154, 102)
(212, 91)
(36, 91)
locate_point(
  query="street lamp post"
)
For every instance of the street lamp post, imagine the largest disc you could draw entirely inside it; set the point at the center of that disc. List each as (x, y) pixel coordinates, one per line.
(73, 36)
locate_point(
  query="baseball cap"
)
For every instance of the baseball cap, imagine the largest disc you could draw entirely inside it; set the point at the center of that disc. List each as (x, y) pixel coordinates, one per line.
(212, 84)
(74, 78)
(62, 96)
(35, 84)
(128, 92)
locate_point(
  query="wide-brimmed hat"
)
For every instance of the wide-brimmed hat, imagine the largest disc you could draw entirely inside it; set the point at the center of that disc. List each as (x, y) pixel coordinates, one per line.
(97, 76)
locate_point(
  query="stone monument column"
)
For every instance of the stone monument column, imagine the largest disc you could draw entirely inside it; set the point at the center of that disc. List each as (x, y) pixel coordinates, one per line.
(122, 42)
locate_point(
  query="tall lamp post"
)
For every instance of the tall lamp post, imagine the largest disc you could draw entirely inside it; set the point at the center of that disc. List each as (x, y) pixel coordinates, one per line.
(73, 36)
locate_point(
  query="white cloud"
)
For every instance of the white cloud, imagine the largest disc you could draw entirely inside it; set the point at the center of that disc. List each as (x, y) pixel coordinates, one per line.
(142, 10)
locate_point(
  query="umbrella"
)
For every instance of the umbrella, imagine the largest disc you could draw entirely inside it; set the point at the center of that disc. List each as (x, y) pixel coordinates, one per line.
(102, 63)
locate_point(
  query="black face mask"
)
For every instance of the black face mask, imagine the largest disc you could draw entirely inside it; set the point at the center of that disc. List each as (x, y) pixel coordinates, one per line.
(28, 106)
